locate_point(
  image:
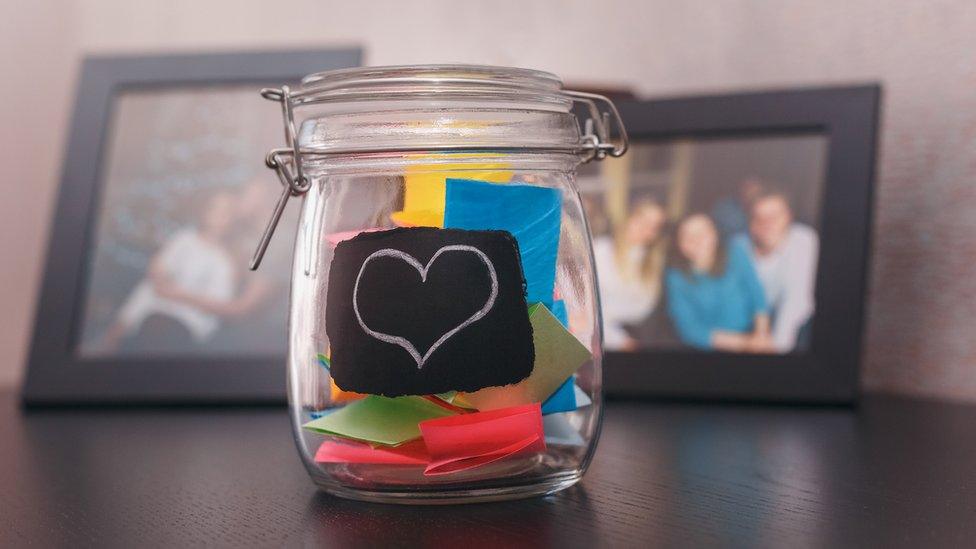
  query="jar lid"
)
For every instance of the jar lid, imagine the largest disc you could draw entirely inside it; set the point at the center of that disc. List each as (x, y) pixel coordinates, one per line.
(443, 108)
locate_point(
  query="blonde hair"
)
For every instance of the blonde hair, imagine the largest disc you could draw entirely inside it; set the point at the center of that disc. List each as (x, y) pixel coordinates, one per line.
(651, 266)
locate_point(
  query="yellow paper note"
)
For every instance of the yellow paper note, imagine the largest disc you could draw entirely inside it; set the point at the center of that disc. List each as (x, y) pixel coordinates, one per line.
(419, 218)
(425, 185)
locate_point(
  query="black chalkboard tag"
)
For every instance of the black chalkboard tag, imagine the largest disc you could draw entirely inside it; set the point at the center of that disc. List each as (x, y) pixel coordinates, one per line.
(422, 310)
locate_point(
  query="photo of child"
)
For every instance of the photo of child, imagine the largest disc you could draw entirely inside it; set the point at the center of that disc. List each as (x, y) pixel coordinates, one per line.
(183, 203)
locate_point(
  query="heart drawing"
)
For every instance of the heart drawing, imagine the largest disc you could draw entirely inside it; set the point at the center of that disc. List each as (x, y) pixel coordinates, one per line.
(423, 269)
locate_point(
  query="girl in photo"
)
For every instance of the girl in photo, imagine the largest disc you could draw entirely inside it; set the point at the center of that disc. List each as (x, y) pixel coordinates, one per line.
(714, 296)
(629, 264)
(176, 306)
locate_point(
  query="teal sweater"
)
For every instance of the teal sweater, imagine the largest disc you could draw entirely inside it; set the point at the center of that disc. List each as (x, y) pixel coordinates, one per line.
(701, 303)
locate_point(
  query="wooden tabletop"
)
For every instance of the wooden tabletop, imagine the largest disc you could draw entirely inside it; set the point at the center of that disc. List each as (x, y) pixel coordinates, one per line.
(893, 473)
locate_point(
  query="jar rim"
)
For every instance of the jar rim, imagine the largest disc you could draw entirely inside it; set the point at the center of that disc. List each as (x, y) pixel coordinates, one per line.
(403, 83)
(482, 76)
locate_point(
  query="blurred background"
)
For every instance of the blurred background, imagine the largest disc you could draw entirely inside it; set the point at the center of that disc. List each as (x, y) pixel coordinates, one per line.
(921, 338)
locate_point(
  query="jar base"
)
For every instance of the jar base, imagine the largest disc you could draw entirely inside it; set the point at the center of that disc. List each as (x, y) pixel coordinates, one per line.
(453, 497)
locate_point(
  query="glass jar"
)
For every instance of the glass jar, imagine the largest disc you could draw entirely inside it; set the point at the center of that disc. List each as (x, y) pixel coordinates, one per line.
(444, 340)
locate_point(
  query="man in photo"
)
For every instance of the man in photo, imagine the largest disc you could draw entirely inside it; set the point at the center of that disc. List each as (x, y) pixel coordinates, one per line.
(731, 213)
(784, 253)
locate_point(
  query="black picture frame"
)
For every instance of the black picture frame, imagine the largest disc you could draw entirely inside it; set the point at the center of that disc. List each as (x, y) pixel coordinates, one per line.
(56, 375)
(829, 371)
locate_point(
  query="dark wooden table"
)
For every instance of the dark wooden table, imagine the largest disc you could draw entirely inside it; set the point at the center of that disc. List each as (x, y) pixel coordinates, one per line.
(894, 473)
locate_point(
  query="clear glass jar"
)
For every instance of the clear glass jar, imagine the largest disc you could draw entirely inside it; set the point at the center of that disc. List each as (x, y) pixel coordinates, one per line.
(444, 340)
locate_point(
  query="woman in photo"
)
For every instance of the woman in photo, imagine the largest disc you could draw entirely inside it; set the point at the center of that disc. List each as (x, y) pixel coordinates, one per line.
(629, 264)
(714, 296)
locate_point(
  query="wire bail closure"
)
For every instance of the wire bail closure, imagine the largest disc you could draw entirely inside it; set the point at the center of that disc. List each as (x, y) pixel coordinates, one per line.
(595, 144)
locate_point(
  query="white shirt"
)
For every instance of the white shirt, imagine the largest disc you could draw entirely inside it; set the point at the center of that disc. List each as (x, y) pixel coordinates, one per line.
(624, 298)
(788, 275)
(193, 265)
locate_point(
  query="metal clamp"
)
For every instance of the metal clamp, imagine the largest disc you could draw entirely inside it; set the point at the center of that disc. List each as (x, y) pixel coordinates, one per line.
(595, 144)
(596, 129)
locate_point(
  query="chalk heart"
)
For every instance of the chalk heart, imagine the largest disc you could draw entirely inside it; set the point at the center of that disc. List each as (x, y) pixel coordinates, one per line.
(423, 269)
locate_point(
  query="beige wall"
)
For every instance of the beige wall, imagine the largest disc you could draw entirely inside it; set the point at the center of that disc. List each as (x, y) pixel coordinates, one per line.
(921, 334)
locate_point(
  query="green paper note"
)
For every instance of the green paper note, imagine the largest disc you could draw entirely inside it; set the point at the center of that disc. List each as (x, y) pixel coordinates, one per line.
(447, 397)
(379, 420)
(558, 354)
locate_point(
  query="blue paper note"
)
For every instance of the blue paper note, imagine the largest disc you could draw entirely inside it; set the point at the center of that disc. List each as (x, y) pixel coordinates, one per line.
(531, 214)
(558, 310)
(566, 398)
(563, 400)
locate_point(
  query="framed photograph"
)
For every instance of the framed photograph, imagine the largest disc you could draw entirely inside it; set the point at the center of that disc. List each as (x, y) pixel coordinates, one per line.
(146, 294)
(732, 245)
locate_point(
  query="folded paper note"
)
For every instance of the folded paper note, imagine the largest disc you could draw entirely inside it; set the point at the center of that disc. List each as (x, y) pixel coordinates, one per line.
(582, 399)
(568, 397)
(462, 442)
(447, 396)
(379, 420)
(532, 214)
(447, 405)
(315, 414)
(558, 354)
(423, 218)
(560, 432)
(424, 185)
(563, 400)
(336, 394)
(559, 311)
(420, 311)
(339, 396)
(410, 453)
(335, 238)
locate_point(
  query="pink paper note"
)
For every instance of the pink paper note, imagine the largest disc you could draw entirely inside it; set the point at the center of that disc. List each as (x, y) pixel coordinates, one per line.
(411, 453)
(335, 238)
(462, 442)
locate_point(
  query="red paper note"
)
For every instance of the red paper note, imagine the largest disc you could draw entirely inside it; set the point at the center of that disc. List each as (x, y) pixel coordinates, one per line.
(411, 453)
(462, 442)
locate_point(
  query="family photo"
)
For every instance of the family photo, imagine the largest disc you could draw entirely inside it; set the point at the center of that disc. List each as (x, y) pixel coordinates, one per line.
(709, 245)
(181, 208)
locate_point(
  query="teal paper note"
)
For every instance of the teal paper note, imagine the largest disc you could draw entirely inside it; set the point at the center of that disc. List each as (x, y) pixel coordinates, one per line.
(532, 214)
(559, 311)
(563, 400)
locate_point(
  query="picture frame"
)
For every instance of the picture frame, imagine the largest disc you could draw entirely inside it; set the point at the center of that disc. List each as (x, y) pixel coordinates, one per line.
(829, 371)
(56, 373)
